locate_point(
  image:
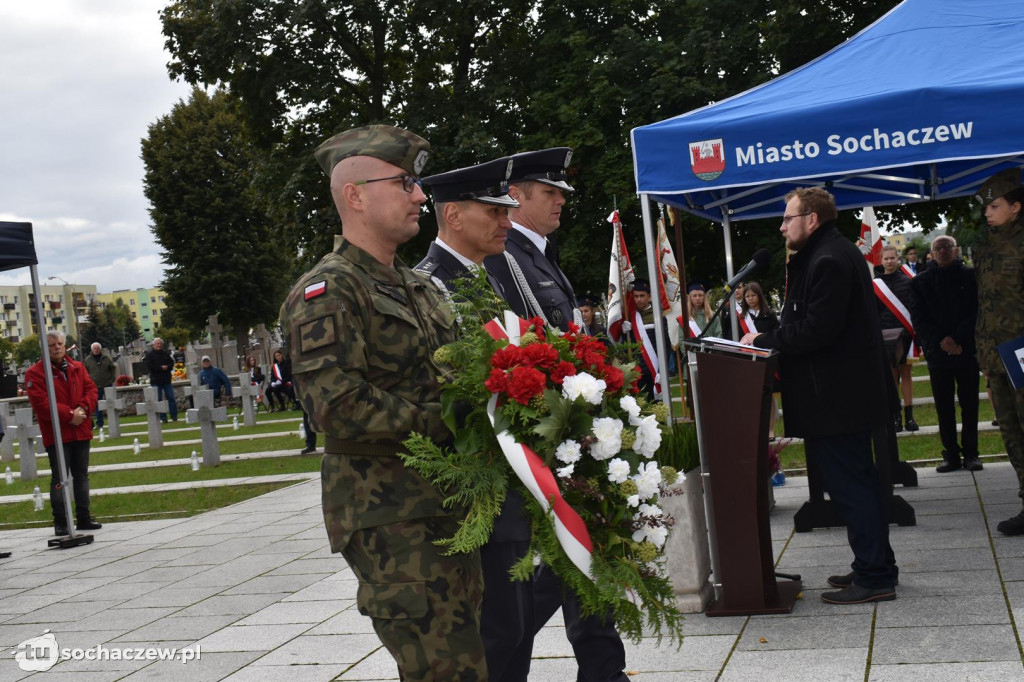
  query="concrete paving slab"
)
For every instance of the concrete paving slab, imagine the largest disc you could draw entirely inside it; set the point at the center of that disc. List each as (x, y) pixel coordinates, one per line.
(297, 612)
(949, 672)
(959, 643)
(378, 666)
(240, 605)
(251, 637)
(212, 666)
(287, 673)
(983, 609)
(326, 649)
(797, 665)
(841, 631)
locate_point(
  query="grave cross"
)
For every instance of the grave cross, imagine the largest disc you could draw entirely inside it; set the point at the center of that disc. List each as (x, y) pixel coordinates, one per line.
(7, 444)
(205, 414)
(27, 433)
(111, 404)
(249, 394)
(263, 337)
(214, 329)
(152, 409)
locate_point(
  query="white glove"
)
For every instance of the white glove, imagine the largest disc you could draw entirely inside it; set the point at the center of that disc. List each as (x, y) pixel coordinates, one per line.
(275, 384)
(627, 327)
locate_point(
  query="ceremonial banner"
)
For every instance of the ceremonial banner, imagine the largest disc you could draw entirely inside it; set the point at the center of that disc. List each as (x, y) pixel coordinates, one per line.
(620, 282)
(870, 242)
(669, 289)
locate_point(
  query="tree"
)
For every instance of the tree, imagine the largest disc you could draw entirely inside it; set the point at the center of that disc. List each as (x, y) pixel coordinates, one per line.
(28, 350)
(6, 353)
(112, 326)
(220, 248)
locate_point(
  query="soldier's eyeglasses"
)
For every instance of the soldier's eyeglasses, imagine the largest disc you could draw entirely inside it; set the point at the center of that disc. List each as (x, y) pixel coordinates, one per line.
(408, 181)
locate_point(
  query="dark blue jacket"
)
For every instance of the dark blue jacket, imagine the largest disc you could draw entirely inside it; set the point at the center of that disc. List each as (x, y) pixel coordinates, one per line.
(214, 378)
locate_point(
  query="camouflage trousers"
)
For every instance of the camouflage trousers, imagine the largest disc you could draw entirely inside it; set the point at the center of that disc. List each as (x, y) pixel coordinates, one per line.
(425, 606)
(1009, 408)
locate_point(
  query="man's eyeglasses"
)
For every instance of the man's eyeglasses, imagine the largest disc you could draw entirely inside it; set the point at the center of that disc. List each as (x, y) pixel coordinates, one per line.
(786, 219)
(943, 246)
(408, 181)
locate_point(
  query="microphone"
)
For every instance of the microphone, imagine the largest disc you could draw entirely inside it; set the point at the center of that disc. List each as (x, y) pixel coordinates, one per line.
(761, 258)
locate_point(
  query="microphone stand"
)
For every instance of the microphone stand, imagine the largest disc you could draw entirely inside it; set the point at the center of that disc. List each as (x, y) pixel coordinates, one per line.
(721, 307)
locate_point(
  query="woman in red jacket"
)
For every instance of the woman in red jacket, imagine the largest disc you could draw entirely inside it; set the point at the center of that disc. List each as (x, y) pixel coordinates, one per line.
(76, 401)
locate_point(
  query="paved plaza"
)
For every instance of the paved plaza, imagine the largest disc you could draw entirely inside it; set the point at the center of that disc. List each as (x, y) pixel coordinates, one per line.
(253, 589)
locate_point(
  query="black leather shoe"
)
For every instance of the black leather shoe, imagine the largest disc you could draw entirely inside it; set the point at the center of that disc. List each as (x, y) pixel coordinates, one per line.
(840, 580)
(949, 465)
(4, 555)
(1014, 526)
(973, 464)
(60, 530)
(308, 451)
(911, 425)
(855, 594)
(88, 524)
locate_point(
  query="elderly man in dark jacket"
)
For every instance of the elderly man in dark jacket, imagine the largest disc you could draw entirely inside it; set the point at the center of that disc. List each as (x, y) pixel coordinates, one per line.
(833, 392)
(945, 312)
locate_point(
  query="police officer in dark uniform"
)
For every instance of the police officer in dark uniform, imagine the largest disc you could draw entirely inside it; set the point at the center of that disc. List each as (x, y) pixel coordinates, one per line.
(472, 206)
(536, 286)
(528, 270)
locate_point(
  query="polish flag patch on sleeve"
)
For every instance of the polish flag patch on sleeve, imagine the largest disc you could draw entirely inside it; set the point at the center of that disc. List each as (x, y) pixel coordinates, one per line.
(315, 289)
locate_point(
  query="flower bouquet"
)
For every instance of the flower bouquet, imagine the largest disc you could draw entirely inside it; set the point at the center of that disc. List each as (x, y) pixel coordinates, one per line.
(553, 416)
(179, 372)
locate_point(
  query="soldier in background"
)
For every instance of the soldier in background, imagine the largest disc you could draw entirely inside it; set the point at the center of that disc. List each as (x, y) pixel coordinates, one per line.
(999, 268)
(361, 329)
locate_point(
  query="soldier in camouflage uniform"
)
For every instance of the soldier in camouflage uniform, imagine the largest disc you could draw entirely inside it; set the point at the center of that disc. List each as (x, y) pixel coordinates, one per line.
(999, 266)
(361, 329)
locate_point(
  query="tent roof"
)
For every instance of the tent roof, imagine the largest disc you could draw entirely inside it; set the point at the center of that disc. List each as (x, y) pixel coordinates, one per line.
(924, 104)
(17, 248)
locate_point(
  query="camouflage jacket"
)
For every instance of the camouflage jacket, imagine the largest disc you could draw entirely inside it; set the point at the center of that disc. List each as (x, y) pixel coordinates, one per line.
(361, 337)
(999, 267)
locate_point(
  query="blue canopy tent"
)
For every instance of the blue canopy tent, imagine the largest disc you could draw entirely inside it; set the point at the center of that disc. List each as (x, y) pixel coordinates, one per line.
(924, 104)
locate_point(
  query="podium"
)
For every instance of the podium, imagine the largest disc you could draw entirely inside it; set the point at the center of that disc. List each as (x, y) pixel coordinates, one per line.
(732, 389)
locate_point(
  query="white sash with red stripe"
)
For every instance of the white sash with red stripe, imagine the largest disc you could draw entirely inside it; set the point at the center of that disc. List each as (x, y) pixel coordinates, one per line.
(647, 352)
(907, 270)
(692, 328)
(896, 307)
(747, 323)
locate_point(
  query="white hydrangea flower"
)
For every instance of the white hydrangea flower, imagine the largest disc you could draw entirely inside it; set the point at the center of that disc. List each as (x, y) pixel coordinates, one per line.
(648, 436)
(618, 470)
(648, 480)
(568, 452)
(609, 438)
(586, 385)
(629, 404)
(566, 471)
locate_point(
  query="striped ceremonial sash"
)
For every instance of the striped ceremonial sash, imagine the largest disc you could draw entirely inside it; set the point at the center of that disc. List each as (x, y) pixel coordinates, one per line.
(896, 307)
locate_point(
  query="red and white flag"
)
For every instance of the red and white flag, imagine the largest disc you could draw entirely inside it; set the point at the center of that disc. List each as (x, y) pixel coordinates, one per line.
(870, 242)
(669, 288)
(620, 282)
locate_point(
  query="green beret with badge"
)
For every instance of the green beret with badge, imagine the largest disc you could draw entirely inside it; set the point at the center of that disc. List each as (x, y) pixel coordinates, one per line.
(398, 147)
(999, 185)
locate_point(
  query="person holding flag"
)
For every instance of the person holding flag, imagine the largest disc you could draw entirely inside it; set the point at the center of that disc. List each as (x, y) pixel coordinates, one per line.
(870, 242)
(895, 300)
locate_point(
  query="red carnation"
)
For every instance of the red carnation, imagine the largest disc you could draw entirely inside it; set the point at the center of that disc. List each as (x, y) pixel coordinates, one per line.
(540, 355)
(497, 382)
(574, 328)
(613, 377)
(507, 357)
(538, 325)
(562, 370)
(525, 383)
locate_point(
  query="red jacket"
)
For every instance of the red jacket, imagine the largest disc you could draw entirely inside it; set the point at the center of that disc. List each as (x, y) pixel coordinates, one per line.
(77, 390)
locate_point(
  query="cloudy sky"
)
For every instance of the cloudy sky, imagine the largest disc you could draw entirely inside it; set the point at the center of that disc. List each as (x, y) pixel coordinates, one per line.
(80, 81)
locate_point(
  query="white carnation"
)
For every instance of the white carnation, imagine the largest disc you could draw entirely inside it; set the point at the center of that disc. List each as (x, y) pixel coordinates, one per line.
(566, 471)
(609, 438)
(629, 404)
(633, 501)
(586, 385)
(648, 436)
(568, 452)
(654, 532)
(648, 479)
(618, 470)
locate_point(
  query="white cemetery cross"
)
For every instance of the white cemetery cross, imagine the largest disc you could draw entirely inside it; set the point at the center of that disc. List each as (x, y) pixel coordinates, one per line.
(111, 404)
(263, 336)
(205, 414)
(27, 434)
(193, 382)
(7, 444)
(214, 330)
(152, 409)
(249, 395)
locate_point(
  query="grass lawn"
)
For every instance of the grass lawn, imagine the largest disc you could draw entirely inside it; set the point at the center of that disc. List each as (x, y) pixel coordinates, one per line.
(139, 507)
(176, 474)
(911, 449)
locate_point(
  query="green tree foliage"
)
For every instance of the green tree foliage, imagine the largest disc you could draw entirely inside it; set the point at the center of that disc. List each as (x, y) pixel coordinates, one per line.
(222, 253)
(6, 353)
(480, 78)
(111, 326)
(28, 350)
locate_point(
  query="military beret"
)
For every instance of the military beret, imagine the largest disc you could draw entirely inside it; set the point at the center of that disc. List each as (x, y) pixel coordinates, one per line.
(999, 185)
(641, 285)
(398, 147)
(549, 166)
(586, 300)
(486, 183)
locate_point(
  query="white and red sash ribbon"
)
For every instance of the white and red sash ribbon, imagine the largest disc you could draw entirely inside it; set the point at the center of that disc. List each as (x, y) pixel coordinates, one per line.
(536, 476)
(647, 352)
(692, 328)
(907, 270)
(896, 307)
(747, 323)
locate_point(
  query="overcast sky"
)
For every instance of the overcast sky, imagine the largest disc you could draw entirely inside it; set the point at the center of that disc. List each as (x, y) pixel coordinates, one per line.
(80, 81)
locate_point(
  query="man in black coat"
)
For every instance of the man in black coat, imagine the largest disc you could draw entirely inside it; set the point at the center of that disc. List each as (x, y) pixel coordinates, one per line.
(160, 364)
(833, 371)
(945, 312)
(472, 206)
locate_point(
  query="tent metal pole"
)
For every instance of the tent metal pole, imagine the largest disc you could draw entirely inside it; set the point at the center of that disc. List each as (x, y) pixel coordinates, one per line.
(65, 475)
(653, 267)
(727, 236)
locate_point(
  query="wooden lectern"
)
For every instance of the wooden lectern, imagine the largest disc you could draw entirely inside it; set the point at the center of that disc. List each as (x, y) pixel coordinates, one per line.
(733, 401)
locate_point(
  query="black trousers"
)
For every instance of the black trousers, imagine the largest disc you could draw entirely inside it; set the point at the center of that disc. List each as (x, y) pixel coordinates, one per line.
(600, 656)
(506, 620)
(848, 475)
(76, 454)
(310, 433)
(964, 381)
